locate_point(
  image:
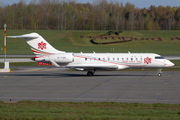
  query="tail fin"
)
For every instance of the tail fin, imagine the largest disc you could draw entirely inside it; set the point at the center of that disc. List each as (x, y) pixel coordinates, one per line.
(38, 44)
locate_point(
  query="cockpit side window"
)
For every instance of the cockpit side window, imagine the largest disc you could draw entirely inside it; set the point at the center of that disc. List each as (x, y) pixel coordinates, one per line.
(159, 57)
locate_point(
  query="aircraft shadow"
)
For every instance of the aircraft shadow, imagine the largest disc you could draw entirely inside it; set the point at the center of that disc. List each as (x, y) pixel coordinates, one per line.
(70, 75)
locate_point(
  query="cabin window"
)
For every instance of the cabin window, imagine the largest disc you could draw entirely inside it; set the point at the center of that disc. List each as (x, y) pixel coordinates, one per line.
(117, 59)
(141, 59)
(136, 59)
(122, 59)
(113, 59)
(99, 59)
(85, 59)
(131, 59)
(108, 59)
(103, 58)
(127, 59)
(94, 58)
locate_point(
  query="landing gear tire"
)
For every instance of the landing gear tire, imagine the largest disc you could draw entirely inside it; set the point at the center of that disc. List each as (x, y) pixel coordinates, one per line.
(90, 73)
(159, 74)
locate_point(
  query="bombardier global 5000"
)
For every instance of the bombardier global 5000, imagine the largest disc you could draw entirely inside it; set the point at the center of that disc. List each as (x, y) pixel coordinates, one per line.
(92, 62)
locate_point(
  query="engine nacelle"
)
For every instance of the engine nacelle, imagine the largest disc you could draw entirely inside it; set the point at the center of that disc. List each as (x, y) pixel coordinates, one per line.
(61, 58)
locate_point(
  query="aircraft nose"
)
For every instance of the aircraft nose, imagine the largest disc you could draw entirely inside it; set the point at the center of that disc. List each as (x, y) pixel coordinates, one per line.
(172, 64)
(169, 64)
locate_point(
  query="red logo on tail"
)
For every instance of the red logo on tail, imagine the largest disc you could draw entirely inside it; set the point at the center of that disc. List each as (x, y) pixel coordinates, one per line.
(147, 60)
(41, 45)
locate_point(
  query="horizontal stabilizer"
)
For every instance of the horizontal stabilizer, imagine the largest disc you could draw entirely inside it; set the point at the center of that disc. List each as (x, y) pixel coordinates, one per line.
(25, 37)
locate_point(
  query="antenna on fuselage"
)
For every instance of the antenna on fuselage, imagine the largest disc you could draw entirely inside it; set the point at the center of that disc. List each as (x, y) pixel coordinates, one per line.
(128, 52)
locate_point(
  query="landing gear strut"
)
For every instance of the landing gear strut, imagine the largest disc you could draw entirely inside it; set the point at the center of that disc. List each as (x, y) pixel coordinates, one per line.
(159, 73)
(90, 73)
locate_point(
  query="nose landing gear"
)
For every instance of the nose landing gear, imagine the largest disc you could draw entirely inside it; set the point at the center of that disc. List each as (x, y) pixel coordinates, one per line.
(159, 72)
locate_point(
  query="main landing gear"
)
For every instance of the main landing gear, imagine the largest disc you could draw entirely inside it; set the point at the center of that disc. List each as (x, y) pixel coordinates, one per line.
(90, 73)
(159, 73)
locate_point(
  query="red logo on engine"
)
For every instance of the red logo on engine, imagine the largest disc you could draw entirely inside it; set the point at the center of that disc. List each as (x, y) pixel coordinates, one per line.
(147, 60)
(41, 45)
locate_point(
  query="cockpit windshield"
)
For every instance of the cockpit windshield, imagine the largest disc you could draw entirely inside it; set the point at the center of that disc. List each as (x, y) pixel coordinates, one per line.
(159, 57)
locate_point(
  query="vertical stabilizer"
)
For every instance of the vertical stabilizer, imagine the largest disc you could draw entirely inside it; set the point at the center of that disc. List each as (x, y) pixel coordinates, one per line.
(38, 44)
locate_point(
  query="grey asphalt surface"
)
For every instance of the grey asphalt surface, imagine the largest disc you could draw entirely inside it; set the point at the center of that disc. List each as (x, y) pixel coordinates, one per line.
(53, 84)
(14, 60)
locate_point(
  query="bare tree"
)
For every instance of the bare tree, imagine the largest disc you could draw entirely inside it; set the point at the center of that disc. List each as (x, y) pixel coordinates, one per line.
(170, 19)
(33, 2)
(117, 14)
(44, 8)
(100, 7)
(130, 14)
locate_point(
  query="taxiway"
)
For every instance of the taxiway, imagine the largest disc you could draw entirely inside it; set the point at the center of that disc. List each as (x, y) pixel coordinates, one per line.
(54, 84)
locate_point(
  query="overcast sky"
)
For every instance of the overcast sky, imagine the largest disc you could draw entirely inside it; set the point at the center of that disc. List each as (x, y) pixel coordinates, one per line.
(137, 3)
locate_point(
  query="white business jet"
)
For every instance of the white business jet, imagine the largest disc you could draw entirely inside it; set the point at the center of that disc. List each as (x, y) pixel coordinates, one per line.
(92, 62)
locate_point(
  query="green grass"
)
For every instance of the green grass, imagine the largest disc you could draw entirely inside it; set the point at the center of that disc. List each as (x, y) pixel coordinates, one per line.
(176, 62)
(70, 41)
(32, 110)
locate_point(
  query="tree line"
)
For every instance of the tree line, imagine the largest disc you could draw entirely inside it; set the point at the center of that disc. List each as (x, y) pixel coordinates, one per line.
(100, 15)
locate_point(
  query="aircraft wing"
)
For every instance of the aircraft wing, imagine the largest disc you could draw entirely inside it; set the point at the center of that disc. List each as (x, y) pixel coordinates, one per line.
(96, 67)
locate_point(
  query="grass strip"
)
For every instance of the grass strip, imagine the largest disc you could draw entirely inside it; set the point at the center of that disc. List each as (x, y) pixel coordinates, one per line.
(88, 110)
(70, 41)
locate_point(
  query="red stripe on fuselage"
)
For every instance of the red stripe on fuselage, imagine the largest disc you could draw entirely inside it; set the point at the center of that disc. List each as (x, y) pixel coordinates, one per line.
(109, 62)
(42, 52)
